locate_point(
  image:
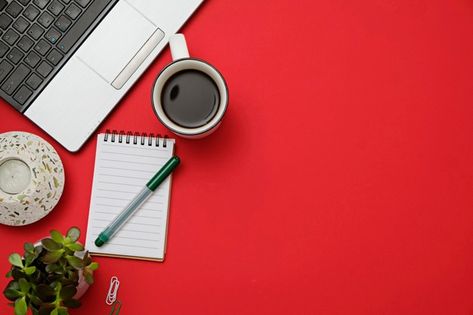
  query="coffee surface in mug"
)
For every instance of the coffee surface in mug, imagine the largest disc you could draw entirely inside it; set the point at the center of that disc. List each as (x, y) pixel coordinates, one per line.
(190, 98)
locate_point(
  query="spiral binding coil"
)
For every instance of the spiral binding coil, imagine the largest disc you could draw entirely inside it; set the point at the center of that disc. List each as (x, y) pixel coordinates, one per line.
(135, 138)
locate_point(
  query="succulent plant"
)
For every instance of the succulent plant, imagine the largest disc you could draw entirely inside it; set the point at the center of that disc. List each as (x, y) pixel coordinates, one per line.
(46, 277)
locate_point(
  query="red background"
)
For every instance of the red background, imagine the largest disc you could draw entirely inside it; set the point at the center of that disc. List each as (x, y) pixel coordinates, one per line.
(339, 183)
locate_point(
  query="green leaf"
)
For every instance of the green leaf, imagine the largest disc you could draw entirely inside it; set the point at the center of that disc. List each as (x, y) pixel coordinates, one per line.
(74, 276)
(71, 303)
(13, 285)
(12, 294)
(52, 268)
(29, 258)
(67, 292)
(66, 282)
(50, 244)
(35, 300)
(24, 285)
(54, 312)
(30, 270)
(87, 259)
(17, 273)
(93, 266)
(46, 309)
(45, 292)
(36, 277)
(29, 248)
(75, 262)
(37, 250)
(53, 277)
(62, 311)
(73, 233)
(75, 247)
(57, 237)
(15, 260)
(20, 306)
(8, 275)
(12, 291)
(52, 257)
(89, 278)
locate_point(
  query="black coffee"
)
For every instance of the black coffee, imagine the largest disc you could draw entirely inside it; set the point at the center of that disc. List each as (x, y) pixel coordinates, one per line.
(190, 98)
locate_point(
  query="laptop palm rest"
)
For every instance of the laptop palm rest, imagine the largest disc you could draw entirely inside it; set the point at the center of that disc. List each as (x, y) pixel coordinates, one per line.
(120, 44)
(87, 87)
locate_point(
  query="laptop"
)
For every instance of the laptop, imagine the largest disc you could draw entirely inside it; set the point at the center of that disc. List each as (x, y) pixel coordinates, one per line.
(65, 64)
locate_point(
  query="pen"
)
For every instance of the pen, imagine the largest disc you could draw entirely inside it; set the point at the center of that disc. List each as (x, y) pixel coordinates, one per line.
(135, 204)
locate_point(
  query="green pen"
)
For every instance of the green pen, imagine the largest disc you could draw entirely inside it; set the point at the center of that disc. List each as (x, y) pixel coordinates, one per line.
(136, 203)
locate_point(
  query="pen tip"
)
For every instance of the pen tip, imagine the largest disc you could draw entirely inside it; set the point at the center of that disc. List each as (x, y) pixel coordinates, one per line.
(99, 242)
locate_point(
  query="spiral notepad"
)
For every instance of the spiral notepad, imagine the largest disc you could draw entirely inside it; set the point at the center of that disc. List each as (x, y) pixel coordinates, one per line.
(124, 163)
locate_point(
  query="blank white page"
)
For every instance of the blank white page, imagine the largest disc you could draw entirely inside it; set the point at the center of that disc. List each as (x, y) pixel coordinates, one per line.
(121, 171)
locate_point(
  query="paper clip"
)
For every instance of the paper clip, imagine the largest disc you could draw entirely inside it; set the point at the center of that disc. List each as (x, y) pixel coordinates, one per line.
(112, 291)
(116, 306)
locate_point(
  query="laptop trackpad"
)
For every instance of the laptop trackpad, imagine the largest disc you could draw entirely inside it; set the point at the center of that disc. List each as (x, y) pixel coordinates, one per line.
(120, 44)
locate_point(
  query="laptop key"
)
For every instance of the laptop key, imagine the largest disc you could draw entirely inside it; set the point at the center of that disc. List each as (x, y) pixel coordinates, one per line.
(44, 69)
(73, 11)
(31, 12)
(82, 24)
(3, 49)
(83, 3)
(24, 2)
(52, 35)
(14, 80)
(3, 3)
(5, 69)
(15, 55)
(55, 7)
(41, 3)
(42, 47)
(22, 95)
(10, 37)
(35, 31)
(32, 59)
(66, 1)
(34, 81)
(14, 9)
(54, 57)
(63, 23)
(25, 43)
(21, 24)
(46, 19)
(5, 21)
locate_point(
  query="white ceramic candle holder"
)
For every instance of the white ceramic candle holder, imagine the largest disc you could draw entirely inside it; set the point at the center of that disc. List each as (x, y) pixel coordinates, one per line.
(31, 178)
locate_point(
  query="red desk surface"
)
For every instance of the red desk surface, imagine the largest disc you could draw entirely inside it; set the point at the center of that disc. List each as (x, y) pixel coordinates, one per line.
(339, 183)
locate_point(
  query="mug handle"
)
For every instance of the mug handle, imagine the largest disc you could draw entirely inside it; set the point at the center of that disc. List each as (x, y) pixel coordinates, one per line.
(178, 46)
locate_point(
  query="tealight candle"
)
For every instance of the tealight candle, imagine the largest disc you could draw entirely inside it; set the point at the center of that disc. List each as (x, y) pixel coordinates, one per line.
(15, 176)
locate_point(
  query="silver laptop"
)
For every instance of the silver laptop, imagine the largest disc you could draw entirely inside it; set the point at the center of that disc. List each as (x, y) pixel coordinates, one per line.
(65, 64)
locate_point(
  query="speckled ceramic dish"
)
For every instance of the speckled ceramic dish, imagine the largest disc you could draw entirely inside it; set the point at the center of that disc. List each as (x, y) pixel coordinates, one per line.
(42, 183)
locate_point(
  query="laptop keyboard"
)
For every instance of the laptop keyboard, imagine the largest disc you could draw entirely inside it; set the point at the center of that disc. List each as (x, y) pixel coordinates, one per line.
(36, 39)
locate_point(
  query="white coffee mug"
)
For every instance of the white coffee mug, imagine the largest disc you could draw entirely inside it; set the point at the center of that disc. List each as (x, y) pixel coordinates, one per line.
(182, 62)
